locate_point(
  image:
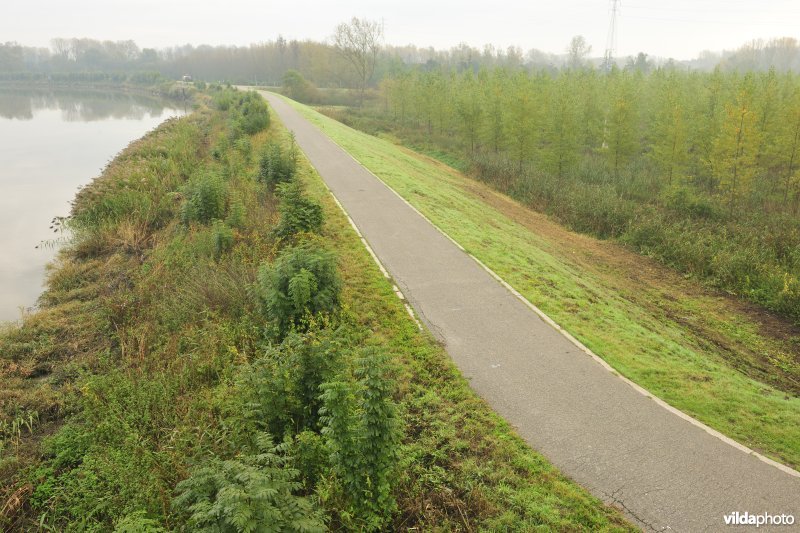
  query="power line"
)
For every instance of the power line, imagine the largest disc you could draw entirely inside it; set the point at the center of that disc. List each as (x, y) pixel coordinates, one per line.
(611, 41)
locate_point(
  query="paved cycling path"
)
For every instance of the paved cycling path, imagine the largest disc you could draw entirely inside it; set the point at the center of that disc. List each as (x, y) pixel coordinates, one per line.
(666, 472)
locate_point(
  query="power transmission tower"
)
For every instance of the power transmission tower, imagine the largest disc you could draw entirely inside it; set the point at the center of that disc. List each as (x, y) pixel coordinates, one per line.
(611, 41)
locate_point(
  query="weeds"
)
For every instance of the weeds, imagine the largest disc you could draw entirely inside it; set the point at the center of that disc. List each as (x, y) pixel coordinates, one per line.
(206, 197)
(247, 493)
(301, 284)
(298, 213)
(276, 165)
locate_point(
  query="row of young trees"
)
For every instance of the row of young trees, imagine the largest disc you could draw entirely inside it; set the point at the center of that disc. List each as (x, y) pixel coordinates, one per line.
(734, 135)
(701, 170)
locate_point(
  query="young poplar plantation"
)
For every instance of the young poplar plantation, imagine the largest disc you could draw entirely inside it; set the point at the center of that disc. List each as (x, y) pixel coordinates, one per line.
(700, 170)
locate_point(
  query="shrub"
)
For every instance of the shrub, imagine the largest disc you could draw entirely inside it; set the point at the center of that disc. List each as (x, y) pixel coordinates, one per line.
(310, 457)
(223, 99)
(204, 199)
(275, 166)
(280, 389)
(298, 88)
(223, 237)
(236, 212)
(298, 213)
(363, 435)
(251, 113)
(220, 148)
(250, 493)
(244, 147)
(683, 201)
(302, 282)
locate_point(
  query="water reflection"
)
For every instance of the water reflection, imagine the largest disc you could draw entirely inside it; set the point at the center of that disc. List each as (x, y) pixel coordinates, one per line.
(52, 143)
(79, 106)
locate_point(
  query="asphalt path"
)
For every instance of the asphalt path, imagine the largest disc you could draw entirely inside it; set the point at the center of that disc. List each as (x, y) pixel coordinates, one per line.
(666, 471)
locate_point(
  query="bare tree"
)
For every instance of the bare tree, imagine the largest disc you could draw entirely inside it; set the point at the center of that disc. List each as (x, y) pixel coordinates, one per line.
(359, 41)
(577, 51)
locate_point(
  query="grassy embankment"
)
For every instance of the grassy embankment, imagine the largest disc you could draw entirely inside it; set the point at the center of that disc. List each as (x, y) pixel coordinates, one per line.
(711, 356)
(157, 356)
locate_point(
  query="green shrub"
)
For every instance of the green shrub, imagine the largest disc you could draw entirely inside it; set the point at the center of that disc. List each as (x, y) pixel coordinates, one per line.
(302, 282)
(247, 494)
(684, 201)
(310, 458)
(205, 198)
(223, 237)
(221, 147)
(276, 166)
(251, 114)
(279, 391)
(223, 99)
(298, 213)
(244, 147)
(362, 432)
(138, 522)
(236, 212)
(295, 86)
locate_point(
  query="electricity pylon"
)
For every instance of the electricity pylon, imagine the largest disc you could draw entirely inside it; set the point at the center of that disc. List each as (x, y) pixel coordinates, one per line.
(611, 41)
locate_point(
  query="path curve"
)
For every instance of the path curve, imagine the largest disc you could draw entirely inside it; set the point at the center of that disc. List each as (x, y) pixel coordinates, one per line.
(666, 473)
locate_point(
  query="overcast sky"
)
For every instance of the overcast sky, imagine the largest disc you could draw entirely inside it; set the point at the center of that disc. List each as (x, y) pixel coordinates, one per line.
(668, 28)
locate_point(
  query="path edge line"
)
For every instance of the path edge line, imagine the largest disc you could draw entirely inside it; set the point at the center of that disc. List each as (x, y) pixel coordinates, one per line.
(386, 275)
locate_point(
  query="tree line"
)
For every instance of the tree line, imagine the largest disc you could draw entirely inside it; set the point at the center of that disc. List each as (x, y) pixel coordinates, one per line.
(323, 64)
(737, 136)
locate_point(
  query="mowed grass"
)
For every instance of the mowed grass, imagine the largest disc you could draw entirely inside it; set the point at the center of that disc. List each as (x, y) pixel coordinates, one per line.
(698, 351)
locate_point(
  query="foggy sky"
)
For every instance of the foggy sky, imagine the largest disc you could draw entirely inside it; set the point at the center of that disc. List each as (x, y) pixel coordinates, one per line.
(668, 28)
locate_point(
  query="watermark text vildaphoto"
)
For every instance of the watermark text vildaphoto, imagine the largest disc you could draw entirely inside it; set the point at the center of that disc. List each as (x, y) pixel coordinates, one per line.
(763, 519)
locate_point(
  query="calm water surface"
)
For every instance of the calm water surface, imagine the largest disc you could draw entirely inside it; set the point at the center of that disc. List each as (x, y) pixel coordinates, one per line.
(51, 143)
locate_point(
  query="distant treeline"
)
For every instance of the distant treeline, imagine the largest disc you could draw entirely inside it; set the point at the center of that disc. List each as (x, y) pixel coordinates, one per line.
(267, 62)
(113, 77)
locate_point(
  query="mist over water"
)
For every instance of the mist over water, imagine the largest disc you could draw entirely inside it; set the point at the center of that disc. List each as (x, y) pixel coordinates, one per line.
(51, 143)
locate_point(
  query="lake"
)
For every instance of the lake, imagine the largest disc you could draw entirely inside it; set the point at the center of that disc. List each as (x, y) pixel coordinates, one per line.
(52, 143)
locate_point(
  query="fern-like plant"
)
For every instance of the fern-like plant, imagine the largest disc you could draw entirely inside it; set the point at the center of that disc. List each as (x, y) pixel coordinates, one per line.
(380, 430)
(302, 282)
(252, 493)
(298, 213)
(362, 431)
(276, 166)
